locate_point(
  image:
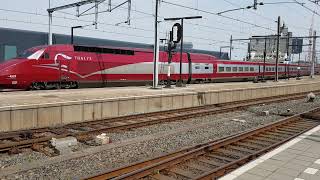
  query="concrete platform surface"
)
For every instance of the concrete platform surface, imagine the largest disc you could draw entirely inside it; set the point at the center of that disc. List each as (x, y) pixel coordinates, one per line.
(54, 96)
(298, 159)
(37, 109)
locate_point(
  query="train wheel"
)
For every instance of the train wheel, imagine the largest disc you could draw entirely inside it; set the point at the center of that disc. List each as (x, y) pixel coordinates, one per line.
(72, 85)
(37, 86)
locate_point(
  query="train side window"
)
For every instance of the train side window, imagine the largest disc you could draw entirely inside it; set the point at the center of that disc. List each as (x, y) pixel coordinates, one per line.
(240, 69)
(103, 50)
(273, 69)
(228, 69)
(251, 69)
(197, 67)
(234, 69)
(221, 69)
(246, 68)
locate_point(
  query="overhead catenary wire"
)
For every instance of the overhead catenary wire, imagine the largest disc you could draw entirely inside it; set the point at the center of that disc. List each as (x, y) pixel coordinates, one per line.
(309, 9)
(314, 2)
(264, 17)
(111, 32)
(108, 24)
(128, 27)
(216, 14)
(138, 28)
(201, 25)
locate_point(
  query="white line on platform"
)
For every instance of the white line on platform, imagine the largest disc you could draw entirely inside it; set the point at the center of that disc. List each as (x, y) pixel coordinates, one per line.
(234, 174)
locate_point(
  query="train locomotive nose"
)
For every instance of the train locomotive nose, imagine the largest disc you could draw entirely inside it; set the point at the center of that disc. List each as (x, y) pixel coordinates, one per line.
(8, 75)
(8, 81)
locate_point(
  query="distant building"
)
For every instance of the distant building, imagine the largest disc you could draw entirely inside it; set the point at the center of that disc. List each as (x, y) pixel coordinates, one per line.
(14, 42)
(287, 46)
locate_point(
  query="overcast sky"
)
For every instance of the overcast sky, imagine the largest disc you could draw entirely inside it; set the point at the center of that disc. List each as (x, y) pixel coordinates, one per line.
(208, 33)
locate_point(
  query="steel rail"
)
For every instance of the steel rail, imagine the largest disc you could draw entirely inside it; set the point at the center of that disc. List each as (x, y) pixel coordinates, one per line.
(26, 138)
(296, 125)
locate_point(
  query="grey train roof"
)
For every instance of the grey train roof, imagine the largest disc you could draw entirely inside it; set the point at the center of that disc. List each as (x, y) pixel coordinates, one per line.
(24, 39)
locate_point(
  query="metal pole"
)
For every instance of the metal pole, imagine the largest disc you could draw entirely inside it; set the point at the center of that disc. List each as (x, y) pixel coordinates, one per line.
(181, 51)
(50, 24)
(129, 12)
(50, 29)
(71, 35)
(299, 67)
(264, 59)
(230, 47)
(96, 14)
(277, 55)
(156, 49)
(313, 54)
(287, 64)
(169, 62)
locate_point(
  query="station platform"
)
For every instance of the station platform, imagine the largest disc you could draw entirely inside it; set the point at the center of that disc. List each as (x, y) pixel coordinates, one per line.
(36, 109)
(298, 159)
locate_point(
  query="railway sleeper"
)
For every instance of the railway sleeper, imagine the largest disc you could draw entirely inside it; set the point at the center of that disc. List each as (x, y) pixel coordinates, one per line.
(205, 160)
(162, 177)
(221, 157)
(272, 137)
(231, 152)
(198, 166)
(253, 141)
(248, 145)
(284, 132)
(264, 139)
(182, 172)
(239, 148)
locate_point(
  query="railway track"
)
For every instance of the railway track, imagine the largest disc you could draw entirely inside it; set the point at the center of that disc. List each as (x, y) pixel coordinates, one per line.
(215, 159)
(39, 138)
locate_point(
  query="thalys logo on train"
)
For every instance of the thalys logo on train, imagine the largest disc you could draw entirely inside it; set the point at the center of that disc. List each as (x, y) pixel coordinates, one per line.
(83, 58)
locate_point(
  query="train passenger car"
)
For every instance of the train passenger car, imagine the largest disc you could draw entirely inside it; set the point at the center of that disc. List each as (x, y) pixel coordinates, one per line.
(70, 66)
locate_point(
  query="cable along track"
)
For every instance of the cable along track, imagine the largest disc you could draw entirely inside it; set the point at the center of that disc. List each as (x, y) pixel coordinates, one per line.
(35, 138)
(213, 160)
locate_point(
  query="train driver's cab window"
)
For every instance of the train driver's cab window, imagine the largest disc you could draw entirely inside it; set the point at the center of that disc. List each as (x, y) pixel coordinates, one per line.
(246, 68)
(45, 56)
(221, 69)
(234, 69)
(228, 69)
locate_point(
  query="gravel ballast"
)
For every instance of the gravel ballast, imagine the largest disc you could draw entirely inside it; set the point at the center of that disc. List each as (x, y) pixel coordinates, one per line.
(213, 127)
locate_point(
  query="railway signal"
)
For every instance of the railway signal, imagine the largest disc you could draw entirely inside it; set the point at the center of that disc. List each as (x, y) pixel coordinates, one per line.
(180, 82)
(176, 33)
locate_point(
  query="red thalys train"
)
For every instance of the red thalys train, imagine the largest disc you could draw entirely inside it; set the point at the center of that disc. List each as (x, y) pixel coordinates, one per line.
(69, 66)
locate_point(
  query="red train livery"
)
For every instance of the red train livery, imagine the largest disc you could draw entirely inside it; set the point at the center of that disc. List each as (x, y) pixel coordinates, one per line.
(69, 66)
